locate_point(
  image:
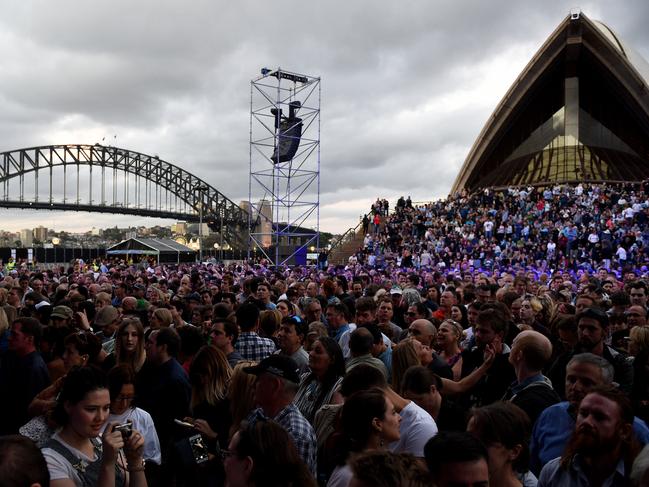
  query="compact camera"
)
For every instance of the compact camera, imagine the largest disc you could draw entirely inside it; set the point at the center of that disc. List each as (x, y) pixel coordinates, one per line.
(126, 429)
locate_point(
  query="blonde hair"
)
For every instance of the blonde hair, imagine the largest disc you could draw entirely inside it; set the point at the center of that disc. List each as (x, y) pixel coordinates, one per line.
(241, 394)
(404, 356)
(3, 296)
(640, 335)
(211, 364)
(164, 316)
(4, 321)
(458, 331)
(378, 297)
(102, 297)
(162, 296)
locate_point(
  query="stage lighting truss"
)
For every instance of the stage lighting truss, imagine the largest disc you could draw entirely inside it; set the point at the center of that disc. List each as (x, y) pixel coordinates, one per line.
(284, 182)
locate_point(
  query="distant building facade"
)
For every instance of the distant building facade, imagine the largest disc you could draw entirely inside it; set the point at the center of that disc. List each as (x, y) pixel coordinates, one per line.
(579, 111)
(27, 237)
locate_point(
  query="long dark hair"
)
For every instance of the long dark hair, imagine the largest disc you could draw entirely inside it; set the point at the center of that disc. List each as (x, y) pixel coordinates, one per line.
(275, 460)
(356, 418)
(507, 424)
(76, 385)
(336, 369)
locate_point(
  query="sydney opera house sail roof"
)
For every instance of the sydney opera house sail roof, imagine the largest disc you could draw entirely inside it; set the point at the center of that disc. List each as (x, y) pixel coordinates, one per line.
(579, 111)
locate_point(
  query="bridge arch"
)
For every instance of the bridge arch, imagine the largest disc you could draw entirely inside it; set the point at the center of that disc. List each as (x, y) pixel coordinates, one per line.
(134, 168)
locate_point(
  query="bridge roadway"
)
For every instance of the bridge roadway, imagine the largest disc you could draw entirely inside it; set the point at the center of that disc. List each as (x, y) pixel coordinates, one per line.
(148, 176)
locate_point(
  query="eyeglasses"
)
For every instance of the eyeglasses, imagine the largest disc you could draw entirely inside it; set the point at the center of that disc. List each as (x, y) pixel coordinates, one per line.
(124, 398)
(411, 313)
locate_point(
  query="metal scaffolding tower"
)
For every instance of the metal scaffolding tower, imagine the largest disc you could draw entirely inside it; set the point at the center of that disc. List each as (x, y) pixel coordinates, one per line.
(284, 182)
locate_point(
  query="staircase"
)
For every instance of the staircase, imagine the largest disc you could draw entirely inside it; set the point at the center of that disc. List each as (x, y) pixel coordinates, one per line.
(346, 245)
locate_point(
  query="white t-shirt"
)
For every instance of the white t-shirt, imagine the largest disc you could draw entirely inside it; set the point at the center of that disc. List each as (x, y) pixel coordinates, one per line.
(143, 423)
(341, 476)
(417, 427)
(59, 467)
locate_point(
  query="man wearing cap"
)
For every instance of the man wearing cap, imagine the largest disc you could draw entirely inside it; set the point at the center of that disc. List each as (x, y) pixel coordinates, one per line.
(61, 316)
(107, 320)
(592, 326)
(398, 308)
(277, 382)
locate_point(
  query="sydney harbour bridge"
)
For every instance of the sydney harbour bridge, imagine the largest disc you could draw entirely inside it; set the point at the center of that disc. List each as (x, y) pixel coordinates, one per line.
(108, 179)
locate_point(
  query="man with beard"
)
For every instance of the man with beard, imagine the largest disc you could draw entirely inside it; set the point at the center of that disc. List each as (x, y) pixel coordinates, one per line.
(551, 433)
(592, 327)
(602, 447)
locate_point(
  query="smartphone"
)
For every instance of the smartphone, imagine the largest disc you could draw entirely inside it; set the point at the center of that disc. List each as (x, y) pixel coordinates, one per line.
(199, 449)
(183, 423)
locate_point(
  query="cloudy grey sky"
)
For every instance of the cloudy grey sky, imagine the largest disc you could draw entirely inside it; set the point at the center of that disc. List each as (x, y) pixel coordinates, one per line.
(406, 86)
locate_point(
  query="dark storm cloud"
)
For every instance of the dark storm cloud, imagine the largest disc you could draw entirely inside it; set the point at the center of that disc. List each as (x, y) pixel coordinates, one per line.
(406, 86)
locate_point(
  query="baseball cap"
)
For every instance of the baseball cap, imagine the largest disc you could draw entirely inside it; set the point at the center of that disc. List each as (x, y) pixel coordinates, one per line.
(106, 315)
(396, 290)
(62, 312)
(279, 365)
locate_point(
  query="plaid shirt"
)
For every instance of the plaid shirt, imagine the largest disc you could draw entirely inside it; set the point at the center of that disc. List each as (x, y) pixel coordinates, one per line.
(299, 429)
(253, 347)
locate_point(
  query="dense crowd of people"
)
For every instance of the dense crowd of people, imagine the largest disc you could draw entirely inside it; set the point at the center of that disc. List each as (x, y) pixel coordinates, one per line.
(446, 352)
(579, 227)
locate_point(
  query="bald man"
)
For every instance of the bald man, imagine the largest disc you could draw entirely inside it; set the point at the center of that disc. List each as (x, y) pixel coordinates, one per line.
(423, 331)
(129, 303)
(532, 391)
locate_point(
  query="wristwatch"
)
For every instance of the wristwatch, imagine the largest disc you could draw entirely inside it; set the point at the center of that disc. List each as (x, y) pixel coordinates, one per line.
(138, 467)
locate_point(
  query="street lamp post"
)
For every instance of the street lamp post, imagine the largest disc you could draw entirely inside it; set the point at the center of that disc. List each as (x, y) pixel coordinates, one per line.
(202, 189)
(221, 235)
(55, 242)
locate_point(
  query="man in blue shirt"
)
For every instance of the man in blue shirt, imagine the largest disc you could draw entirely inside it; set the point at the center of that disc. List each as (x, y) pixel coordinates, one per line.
(602, 446)
(553, 428)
